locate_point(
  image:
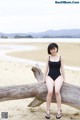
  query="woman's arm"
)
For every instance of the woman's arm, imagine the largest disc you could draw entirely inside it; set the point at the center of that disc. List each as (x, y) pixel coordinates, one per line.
(62, 68)
(46, 70)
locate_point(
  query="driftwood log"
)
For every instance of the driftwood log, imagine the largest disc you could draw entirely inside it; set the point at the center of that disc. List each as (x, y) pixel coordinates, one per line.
(70, 93)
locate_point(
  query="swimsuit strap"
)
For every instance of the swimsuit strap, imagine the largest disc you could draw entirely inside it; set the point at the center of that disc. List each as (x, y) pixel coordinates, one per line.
(60, 58)
(49, 58)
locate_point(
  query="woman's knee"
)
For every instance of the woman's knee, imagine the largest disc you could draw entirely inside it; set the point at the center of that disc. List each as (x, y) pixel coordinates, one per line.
(57, 92)
(50, 93)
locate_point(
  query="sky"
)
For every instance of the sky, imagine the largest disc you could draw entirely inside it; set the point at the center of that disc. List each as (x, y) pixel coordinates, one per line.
(23, 16)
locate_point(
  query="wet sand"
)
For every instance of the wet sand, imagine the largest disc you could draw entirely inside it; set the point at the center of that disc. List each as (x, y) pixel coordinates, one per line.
(69, 51)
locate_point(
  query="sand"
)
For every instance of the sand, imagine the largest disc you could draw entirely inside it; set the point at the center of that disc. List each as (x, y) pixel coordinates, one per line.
(15, 73)
(69, 51)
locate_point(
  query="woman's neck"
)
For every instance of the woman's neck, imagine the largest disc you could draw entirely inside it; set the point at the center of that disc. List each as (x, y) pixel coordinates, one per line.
(54, 55)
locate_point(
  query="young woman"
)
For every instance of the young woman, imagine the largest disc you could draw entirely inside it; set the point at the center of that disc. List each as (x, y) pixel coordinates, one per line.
(54, 76)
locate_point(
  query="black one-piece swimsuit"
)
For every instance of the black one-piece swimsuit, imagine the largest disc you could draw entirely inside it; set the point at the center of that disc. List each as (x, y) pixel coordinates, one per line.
(54, 69)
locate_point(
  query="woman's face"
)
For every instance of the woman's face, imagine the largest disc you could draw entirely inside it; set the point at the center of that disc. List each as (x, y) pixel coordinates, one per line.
(53, 51)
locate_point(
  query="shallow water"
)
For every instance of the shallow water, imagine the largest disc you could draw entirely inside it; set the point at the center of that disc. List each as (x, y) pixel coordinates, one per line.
(69, 40)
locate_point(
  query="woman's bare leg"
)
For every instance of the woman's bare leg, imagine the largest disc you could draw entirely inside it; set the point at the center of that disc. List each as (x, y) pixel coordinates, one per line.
(58, 85)
(49, 84)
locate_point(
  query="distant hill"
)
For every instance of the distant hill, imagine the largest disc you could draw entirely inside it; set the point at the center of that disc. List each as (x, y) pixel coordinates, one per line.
(65, 33)
(58, 33)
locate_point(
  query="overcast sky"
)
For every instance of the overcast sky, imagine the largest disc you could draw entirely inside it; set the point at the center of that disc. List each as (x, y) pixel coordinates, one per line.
(23, 16)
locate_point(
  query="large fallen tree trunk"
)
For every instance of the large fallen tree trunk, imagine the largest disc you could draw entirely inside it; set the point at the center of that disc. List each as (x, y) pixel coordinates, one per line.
(70, 94)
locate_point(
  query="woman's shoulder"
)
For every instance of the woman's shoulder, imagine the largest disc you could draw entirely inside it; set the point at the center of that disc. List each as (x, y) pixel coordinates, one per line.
(48, 58)
(60, 57)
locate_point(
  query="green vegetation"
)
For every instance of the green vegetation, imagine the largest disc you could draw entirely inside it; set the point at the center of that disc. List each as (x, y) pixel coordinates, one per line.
(19, 36)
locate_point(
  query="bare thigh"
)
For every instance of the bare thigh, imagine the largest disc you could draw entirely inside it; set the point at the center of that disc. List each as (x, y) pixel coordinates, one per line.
(49, 83)
(58, 83)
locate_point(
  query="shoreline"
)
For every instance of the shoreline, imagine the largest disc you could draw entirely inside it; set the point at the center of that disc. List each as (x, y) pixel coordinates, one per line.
(33, 53)
(70, 52)
(27, 40)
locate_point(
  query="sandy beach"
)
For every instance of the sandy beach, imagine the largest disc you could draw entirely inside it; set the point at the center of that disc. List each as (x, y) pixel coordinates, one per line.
(17, 73)
(70, 52)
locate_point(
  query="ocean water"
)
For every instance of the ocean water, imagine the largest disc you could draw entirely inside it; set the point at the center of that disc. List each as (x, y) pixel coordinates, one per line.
(73, 40)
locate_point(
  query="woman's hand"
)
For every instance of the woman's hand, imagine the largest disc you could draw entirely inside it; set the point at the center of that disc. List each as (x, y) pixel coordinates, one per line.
(63, 81)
